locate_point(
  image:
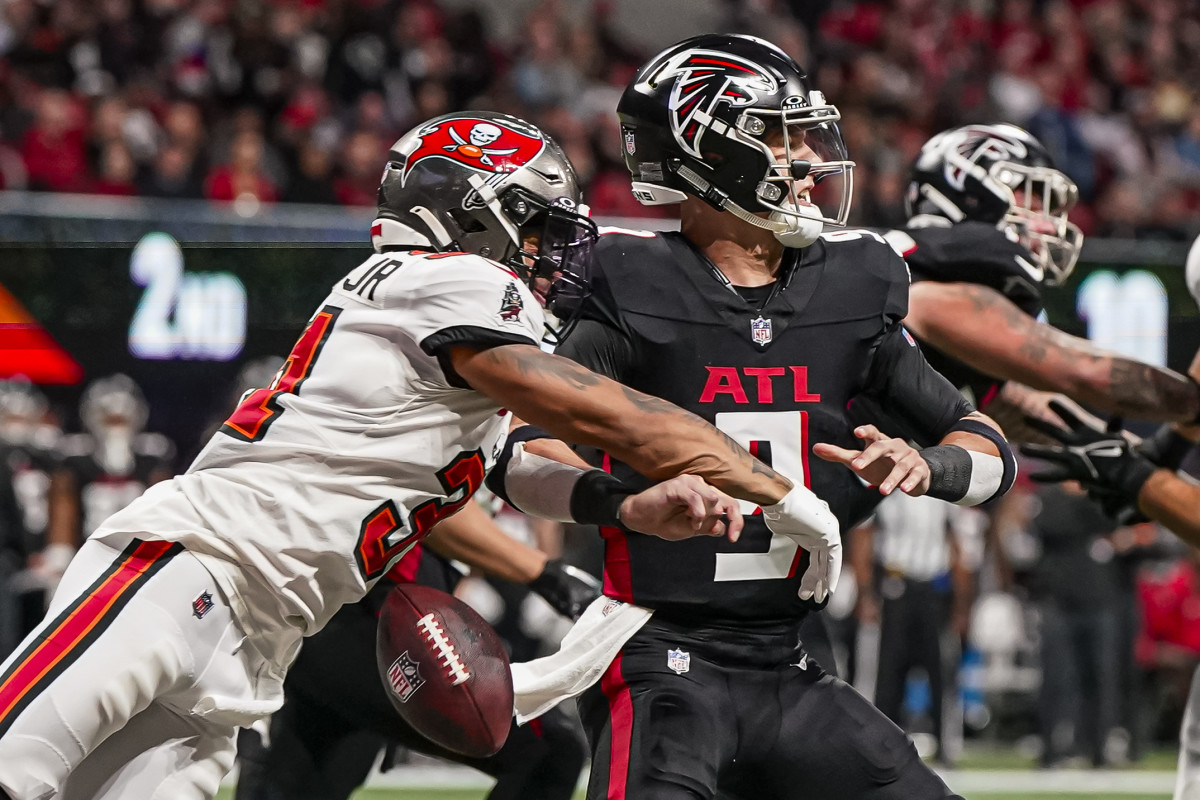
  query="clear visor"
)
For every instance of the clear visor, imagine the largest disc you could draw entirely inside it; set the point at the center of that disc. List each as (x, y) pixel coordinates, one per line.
(811, 174)
(1042, 199)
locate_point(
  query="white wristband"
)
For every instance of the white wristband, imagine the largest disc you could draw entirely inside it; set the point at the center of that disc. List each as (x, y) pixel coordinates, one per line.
(987, 472)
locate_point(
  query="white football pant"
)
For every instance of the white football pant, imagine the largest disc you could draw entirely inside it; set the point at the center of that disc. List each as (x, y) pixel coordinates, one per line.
(132, 687)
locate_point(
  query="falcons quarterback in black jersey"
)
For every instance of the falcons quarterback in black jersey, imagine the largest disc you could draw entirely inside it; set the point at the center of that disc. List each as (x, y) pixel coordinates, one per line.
(756, 320)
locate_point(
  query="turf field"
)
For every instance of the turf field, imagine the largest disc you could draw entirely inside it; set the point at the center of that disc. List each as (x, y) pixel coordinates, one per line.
(462, 794)
(999, 774)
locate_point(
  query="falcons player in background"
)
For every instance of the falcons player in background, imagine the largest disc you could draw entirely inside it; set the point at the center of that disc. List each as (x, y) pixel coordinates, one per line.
(755, 319)
(176, 622)
(109, 465)
(987, 230)
(28, 459)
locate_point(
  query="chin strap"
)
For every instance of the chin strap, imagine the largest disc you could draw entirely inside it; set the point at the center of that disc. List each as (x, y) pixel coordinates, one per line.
(791, 231)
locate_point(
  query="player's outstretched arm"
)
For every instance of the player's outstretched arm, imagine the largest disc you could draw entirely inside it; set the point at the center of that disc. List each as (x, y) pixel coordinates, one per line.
(981, 327)
(1172, 501)
(970, 465)
(1117, 474)
(657, 438)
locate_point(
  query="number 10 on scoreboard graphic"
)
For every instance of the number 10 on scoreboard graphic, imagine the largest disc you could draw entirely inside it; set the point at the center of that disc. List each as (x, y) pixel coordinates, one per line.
(780, 438)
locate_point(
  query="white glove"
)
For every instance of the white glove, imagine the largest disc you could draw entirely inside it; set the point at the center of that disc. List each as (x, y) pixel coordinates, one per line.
(807, 519)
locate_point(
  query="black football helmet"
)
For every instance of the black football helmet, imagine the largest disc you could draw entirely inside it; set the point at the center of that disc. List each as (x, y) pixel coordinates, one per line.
(976, 172)
(700, 118)
(487, 183)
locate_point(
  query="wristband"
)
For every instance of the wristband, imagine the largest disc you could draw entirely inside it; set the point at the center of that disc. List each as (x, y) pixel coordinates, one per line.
(1008, 461)
(1165, 447)
(596, 499)
(950, 470)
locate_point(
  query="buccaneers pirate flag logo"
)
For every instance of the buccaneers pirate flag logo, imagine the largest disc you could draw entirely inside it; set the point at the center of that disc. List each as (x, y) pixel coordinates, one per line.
(487, 146)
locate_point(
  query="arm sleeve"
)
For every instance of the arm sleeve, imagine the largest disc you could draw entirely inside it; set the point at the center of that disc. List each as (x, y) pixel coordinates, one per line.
(901, 381)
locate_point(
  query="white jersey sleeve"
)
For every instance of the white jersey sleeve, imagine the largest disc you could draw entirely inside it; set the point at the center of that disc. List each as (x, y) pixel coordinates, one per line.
(450, 299)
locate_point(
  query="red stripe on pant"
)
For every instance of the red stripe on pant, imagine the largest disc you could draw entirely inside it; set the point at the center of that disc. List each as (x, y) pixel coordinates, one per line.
(620, 712)
(60, 644)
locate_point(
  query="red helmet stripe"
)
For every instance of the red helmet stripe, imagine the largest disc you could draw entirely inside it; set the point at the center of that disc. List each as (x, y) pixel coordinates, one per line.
(720, 63)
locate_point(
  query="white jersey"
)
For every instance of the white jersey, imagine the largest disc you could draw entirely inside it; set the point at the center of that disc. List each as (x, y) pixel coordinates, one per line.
(317, 484)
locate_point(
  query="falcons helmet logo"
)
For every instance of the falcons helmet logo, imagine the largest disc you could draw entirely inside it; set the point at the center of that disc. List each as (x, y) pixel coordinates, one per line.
(706, 78)
(974, 144)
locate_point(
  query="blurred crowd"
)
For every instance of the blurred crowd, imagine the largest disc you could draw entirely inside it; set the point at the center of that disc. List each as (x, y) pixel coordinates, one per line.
(298, 100)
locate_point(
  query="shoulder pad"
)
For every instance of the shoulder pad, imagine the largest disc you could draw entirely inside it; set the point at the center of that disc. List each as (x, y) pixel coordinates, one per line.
(154, 445)
(74, 445)
(45, 437)
(875, 277)
(975, 252)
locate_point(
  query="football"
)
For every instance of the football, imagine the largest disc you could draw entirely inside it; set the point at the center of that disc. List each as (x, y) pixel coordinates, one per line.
(445, 670)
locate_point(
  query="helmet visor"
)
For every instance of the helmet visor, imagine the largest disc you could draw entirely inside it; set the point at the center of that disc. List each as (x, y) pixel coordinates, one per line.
(811, 174)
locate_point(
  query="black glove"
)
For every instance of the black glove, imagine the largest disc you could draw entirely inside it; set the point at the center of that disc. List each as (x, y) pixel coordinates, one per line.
(569, 589)
(1104, 461)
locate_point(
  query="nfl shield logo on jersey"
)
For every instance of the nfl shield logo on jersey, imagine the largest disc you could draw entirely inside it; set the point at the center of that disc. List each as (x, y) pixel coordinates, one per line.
(760, 331)
(404, 676)
(202, 605)
(679, 661)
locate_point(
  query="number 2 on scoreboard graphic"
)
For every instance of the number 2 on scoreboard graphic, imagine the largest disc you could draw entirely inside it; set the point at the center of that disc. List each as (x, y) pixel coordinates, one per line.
(779, 438)
(260, 408)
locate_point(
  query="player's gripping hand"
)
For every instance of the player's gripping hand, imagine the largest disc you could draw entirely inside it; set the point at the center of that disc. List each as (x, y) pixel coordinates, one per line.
(568, 589)
(681, 508)
(807, 519)
(1104, 461)
(886, 462)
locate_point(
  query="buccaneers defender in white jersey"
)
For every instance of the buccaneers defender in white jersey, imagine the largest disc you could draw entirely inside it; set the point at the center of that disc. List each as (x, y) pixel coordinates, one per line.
(177, 620)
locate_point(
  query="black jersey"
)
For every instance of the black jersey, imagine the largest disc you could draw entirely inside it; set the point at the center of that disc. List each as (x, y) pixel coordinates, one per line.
(30, 465)
(971, 252)
(776, 373)
(102, 490)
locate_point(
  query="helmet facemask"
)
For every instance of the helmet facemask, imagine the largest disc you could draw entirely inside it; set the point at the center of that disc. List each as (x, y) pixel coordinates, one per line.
(813, 174)
(552, 253)
(1041, 199)
(801, 193)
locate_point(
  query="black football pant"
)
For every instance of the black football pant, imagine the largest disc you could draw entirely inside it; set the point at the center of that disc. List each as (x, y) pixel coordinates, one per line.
(337, 718)
(684, 713)
(912, 621)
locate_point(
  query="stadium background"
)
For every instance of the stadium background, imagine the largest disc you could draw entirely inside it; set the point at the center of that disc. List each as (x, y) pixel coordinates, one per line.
(181, 180)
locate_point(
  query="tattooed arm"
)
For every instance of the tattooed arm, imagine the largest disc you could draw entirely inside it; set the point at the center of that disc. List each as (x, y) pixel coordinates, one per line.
(1016, 402)
(655, 437)
(982, 328)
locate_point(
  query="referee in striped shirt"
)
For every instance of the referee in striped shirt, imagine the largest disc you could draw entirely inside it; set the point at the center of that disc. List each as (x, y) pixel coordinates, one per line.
(911, 561)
